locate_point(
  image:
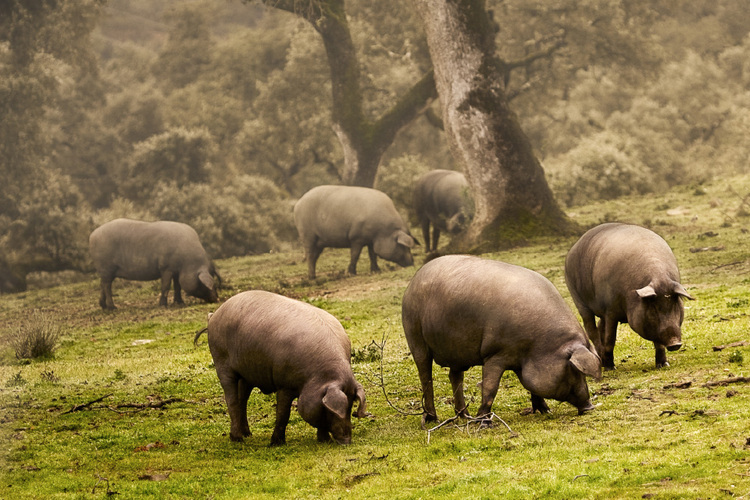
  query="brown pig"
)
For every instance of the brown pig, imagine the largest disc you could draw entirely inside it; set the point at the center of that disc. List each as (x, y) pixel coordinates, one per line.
(463, 311)
(624, 273)
(277, 344)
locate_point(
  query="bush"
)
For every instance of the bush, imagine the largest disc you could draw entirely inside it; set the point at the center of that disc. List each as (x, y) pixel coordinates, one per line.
(598, 168)
(250, 215)
(397, 180)
(36, 338)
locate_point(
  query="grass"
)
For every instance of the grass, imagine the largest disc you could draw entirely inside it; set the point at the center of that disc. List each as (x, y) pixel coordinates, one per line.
(160, 429)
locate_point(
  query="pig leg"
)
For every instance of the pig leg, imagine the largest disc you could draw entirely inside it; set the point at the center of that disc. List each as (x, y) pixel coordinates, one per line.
(435, 237)
(355, 250)
(425, 223)
(608, 331)
(312, 252)
(589, 324)
(373, 259)
(105, 300)
(166, 284)
(492, 370)
(284, 398)
(177, 291)
(661, 355)
(423, 360)
(539, 404)
(236, 393)
(457, 382)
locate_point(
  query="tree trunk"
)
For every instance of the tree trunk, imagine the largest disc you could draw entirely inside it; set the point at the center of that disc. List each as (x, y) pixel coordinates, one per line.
(512, 198)
(363, 141)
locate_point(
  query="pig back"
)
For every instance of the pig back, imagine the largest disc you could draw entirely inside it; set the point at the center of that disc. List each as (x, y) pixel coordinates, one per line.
(338, 215)
(139, 250)
(614, 258)
(467, 309)
(439, 192)
(276, 342)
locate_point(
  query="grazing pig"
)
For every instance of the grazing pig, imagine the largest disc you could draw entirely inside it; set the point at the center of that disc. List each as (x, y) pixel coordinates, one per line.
(264, 340)
(442, 198)
(626, 274)
(463, 311)
(144, 251)
(352, 217)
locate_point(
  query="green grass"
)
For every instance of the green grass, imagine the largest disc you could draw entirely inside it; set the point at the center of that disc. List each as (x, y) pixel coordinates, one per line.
(646, 439)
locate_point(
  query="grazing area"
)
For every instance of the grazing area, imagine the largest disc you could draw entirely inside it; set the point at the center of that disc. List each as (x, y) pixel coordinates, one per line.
(126, 405)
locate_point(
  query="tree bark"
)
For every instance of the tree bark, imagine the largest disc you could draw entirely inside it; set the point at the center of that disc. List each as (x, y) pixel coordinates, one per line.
(512, 198)
(364, 141)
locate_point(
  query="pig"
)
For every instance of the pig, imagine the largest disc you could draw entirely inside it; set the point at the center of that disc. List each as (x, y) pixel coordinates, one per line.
(277, 344)
(144, 251)
(442, 198)
(623, 273)
(463, 311)
(352, 217)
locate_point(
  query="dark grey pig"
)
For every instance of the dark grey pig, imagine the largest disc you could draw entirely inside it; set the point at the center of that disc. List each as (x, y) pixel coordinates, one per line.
(352, 217)
(442, 198)
(144, 251)
(626, 274)
(463, 311)
(264, 340)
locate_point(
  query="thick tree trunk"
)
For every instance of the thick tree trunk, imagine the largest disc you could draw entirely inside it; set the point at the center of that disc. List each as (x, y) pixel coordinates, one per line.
(512, 197)
(364, 141)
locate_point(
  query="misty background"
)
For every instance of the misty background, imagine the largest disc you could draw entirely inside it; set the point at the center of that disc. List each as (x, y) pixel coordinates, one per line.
(217, 113)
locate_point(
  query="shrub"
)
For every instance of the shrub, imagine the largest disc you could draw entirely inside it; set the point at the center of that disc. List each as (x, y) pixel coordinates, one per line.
(397, 180)
(35, 338)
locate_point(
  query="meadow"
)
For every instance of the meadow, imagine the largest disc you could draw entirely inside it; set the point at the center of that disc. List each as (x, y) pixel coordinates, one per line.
(128, 407)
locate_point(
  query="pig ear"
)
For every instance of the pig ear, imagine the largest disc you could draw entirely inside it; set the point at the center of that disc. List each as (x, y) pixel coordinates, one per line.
(646, 291)
(404, 239)
(362, 410)
(205, 278)
(680, 290)
(336, 401)
(587, 362)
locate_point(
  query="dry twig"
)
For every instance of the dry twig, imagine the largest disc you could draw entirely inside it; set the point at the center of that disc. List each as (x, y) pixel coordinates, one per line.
(484, 420)
(86, 405)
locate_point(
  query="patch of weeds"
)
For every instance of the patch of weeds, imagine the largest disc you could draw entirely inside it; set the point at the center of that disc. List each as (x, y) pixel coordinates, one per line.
(699, 191)
(49, 376)
(16, 381)
(736, 357)
(737, 303)
(368, 353)
(35, 338)
(119, 375)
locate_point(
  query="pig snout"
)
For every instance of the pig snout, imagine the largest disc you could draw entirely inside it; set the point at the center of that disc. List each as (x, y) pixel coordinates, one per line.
(675, 346)
(343, 440)
(586, 407)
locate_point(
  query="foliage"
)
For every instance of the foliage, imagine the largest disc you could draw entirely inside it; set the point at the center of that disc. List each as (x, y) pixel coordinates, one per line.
(248, 216)
(108, 106)
(37, 337)
(397, 179)
(179, 155)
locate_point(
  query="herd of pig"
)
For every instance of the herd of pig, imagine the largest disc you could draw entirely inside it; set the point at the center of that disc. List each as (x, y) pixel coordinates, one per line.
(458, 311)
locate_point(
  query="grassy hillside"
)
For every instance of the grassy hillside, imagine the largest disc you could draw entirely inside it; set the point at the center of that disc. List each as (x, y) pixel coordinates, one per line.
(128, 405)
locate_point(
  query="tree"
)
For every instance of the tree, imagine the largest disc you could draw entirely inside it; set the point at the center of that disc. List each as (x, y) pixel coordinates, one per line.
(364, 140)
(511, 194)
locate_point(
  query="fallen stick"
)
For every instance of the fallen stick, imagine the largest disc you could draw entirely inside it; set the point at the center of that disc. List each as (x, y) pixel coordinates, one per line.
(86, 405)
(733, 380)
(733, 344)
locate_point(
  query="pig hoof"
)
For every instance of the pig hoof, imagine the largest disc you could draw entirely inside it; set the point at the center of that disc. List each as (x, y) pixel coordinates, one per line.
(236, 439)
(586, 409)
(662, 365)
(428, 417)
